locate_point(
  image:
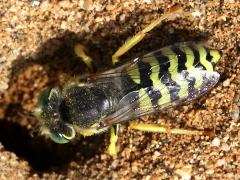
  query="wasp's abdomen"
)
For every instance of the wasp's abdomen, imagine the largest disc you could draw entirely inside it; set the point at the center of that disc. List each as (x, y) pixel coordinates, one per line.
(173, 73)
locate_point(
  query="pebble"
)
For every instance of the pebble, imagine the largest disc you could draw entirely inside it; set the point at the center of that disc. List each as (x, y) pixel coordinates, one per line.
(225, 147)
(235, 113)
(35, 3)
(122, 17)
(226, 82)
(65, 4)
(220, 162)
(185, 172)
(45, 5)
(64, 25)
(115, 175)
(46, 21)
(216, 142)
(210, 171)
(171, 30)
(88, 5)
(3, 158)
(147, 1)
(115, 163)
(157, 153)
(196, 13)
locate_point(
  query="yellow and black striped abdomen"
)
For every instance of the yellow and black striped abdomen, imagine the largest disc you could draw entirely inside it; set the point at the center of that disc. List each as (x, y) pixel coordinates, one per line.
(175, 73)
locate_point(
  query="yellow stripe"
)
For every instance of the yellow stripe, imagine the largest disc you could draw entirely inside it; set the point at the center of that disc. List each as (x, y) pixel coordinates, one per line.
(144, 99)
(173, 70)
(166, 98)
(189, 56)
(154, 70)
(157, 84)
(89, 131)
(81, 84)
(133, 72)
(216, 55)
(183, 86)
(190, 68)
(203, 54)
(173, 59)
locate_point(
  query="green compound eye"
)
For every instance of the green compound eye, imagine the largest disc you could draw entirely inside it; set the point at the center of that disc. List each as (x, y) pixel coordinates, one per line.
(43, 98)
(58, 138)
(62, 138)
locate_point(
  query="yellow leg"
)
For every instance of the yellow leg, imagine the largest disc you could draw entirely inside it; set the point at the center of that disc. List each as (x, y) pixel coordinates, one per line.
(81, 52)
(163, 129)
(174, 11)
(112, 150)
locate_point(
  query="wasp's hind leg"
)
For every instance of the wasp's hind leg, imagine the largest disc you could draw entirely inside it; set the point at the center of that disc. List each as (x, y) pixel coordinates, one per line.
(80, 51)
(114, 131)
(171, 14)
(164, 129)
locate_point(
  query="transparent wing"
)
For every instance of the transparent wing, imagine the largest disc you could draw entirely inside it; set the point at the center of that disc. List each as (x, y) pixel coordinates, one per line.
(141, 102)
(186, 84)
(132, 65)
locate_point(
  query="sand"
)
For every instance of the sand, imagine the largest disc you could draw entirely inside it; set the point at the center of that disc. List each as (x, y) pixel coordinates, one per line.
(36, 51)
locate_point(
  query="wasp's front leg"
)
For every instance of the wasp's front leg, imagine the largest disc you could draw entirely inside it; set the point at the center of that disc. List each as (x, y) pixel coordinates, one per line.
(114, 131)
(80, 51)
(171, 14)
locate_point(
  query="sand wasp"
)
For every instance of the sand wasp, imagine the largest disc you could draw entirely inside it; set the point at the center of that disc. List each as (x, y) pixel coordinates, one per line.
(166, 77)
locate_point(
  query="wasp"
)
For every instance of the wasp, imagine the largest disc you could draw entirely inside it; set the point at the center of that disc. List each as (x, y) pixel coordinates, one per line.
(169, 76)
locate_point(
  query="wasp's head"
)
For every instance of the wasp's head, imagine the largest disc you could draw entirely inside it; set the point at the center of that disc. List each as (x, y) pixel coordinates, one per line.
(48, 112)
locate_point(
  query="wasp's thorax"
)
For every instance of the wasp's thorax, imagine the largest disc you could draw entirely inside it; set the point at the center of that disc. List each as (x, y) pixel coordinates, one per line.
(76, 106)
(86, 105)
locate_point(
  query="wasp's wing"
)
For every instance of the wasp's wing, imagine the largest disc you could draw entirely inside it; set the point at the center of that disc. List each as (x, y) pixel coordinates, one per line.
(186, 49)
(168, 76)
(152, 99)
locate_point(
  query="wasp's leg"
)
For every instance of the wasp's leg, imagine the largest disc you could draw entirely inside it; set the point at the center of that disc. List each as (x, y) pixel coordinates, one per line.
(164, 129)
(80, 51)
(114, 131)
(174, 11)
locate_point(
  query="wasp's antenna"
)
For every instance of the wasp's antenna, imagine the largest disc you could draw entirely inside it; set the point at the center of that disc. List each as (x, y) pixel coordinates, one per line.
(27, 114)
(30, 115)
(34, 132)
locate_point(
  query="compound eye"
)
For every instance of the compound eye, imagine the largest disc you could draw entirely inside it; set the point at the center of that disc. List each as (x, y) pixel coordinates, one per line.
(63, 135)
(43, 98)
(58, 138)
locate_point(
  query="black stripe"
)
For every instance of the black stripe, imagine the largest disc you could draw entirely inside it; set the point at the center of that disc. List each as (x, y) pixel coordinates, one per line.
(209, 57)
(129, 85)
(154, 95)
(145, 73)
(173, 87)
(162, 60)
(165, 77)
(196, 62)
(191, 81)
(182, 58)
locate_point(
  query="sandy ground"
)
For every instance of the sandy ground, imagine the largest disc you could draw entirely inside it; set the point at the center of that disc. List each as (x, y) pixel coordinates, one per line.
(36, 52)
